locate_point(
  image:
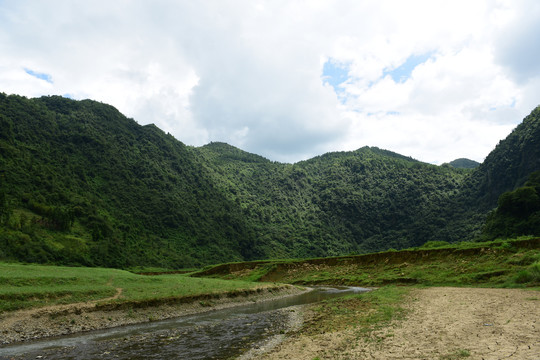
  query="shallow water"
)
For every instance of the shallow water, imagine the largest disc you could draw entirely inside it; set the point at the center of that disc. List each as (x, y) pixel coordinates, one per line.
(219, 334)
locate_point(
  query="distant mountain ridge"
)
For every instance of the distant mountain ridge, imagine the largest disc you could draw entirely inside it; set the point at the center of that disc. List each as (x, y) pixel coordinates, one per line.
(463, 163)
(83, 184)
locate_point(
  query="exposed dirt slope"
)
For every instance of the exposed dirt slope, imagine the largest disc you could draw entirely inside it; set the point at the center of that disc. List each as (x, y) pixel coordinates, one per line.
(478, 264)
(442, 323)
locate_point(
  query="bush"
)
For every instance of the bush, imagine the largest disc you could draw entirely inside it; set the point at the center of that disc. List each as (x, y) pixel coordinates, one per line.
(434, 244)
(531, 275)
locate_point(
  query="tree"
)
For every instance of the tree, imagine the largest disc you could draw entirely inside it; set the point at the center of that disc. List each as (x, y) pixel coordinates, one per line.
(518, 212)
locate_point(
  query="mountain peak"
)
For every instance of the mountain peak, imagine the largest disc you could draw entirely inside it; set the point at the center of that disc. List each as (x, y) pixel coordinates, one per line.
(226, 152)
(463, 163)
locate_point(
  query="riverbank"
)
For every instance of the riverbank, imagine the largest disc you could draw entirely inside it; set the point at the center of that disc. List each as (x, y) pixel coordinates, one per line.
(433, 323)
(501, 263)
(56, 320)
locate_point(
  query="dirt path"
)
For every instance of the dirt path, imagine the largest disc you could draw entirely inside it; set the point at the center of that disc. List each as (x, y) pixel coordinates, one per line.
(13, 319)
(442, 323)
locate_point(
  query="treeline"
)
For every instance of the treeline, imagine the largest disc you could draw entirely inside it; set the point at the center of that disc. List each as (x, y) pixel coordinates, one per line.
(517, 213)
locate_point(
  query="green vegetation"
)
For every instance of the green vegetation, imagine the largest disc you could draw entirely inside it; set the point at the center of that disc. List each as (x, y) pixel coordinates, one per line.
(81, 184)
(339, 203)
(28, 286)
(530, 275)
(501, 263)
(518, 211)
(456, 355)
(366, 312)
(464, 164)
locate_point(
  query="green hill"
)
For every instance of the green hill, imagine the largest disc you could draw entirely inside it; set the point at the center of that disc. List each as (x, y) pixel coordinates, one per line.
(505, 169)
(509, 165)
(83, 184)
(132, 194)
(337, 203)
(464, 163)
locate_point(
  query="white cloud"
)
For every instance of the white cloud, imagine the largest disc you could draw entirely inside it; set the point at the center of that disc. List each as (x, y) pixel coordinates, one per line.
(518, 47)
(249, 72)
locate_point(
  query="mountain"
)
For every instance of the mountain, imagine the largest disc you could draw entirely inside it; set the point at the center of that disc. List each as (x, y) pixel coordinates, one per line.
(83, 184)
(464, 163)
(505, 169)
(509, 165)
(337, 203)
(517, 213)
(133, 194)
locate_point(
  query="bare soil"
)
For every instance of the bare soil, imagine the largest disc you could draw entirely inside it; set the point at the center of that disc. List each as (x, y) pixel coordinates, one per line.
(441, 323)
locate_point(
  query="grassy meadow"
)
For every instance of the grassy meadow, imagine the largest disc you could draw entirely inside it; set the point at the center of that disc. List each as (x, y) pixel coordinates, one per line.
(28, 286)
(500, 263)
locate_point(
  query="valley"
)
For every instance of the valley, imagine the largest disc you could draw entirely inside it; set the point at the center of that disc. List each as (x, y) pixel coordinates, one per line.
(81, 184)
(94, 206)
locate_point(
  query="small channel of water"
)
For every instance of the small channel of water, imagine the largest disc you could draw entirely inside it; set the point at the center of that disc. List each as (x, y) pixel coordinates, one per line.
(220, 334)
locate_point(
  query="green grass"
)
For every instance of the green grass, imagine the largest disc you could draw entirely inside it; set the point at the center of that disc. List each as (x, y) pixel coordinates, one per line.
(458, 354)
(27, 286)
(365, 312)
(530, 275)
(383, 307)
(500, 263)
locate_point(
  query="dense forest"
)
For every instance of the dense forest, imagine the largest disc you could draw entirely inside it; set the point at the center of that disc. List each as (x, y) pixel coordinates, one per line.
(338, 203)
(83, 184)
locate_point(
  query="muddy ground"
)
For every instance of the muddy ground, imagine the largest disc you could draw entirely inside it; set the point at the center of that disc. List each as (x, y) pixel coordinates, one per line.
(439, 323)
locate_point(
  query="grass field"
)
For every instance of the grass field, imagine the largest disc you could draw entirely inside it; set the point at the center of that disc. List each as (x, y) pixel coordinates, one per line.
(508, 263)
(27, 286)
(502, 263)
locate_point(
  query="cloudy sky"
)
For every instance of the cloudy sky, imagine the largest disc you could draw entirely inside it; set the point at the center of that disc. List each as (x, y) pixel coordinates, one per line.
(289, 80)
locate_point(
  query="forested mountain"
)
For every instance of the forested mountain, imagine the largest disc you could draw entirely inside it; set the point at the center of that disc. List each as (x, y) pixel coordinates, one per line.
(337, 203)
(131, 194)
(517, 213)
(82, 184)
(464, 163)
(506, 168)
(509, 165)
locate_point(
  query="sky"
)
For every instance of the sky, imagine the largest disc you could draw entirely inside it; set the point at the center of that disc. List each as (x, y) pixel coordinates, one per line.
(289, 80)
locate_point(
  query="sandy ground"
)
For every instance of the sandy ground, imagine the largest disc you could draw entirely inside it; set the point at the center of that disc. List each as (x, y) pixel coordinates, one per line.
(72, 318)
(441, 323)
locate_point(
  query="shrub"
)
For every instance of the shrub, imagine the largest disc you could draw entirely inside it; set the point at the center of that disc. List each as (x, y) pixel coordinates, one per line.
(434, 244)
(531, 275)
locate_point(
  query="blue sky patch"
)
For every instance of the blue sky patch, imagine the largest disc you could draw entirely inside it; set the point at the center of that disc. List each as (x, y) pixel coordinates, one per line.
(403, 72)
(38, 75)
(335, 74)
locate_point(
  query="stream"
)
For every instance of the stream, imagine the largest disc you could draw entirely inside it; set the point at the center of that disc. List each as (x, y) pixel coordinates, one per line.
(219, 334)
